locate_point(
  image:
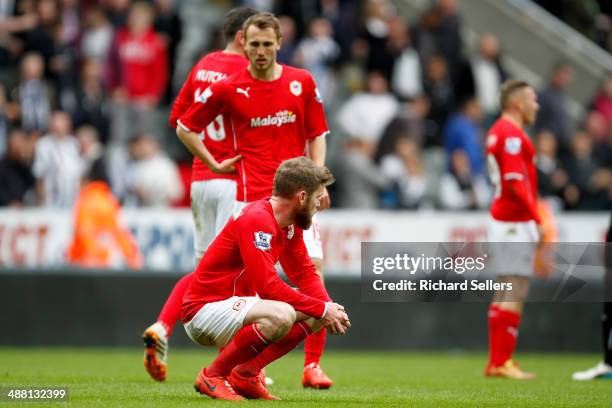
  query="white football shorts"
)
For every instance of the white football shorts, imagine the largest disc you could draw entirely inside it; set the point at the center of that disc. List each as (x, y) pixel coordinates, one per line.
(217, 323)
(516, 258)
(312, 240)
(212, 204)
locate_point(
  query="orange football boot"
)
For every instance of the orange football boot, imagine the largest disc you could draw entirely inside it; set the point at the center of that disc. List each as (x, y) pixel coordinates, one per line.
(314, 377)
(215, 387)
(251, 387)
(156, 351)
(510, 369)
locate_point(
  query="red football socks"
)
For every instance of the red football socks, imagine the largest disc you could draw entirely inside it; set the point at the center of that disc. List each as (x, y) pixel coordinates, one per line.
(171, 312)
(313, 347)
(298, 332)
(246, 344)
(503, 334)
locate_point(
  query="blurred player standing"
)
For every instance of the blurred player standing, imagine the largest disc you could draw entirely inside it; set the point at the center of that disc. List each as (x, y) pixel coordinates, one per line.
(276, 113)
(237, 300)
(213, 185)
(514, 219)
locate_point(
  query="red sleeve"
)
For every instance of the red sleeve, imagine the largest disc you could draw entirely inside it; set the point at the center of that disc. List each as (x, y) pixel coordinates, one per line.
(207, 105)
(183, 100)
(259, 266)
(522, 193)
(316, 125)
(509, 157)
(160, 68)
(515, 175)
(301, 271)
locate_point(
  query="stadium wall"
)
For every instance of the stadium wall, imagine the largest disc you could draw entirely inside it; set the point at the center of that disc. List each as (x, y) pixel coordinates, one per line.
(38, 238)
(102, 308)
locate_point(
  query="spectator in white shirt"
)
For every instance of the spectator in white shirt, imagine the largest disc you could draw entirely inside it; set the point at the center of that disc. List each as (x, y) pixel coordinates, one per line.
(405, 167)
(366, 114)
(57, 164)
(153, 178)
(316, 53)
(406, 75)
(98, 35)
(488, 74)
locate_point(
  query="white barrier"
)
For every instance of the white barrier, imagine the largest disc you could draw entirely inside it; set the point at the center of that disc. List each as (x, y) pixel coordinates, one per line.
(39, 238)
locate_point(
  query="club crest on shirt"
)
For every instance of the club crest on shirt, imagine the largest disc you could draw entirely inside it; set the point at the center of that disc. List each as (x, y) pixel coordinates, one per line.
(290, 232)
(239, 304)
(296, 88)
(513, 145)
(263, 241)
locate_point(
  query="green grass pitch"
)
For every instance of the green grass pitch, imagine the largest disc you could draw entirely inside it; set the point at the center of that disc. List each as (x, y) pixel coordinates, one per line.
(116, 378)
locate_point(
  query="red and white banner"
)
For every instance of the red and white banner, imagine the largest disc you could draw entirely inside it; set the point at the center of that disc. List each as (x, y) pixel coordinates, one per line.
(39, 238)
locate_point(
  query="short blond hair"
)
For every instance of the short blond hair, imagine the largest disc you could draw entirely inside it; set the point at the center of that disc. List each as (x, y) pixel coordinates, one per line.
(298, 174)
(262, 21)
(508, 89)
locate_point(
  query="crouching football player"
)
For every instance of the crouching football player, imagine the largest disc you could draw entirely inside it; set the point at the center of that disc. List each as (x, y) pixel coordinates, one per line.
(237, 300)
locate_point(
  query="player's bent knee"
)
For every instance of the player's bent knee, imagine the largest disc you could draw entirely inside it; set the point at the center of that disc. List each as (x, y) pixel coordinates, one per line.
(277, 321)
(284, 316)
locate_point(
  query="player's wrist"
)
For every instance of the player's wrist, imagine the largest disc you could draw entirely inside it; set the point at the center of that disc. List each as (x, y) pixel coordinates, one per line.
(324, 310)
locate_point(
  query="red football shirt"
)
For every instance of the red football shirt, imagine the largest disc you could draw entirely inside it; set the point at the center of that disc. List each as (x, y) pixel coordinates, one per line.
(511, 157)
(217, 138)
(271, 122)
(240, 262)
(139, 63)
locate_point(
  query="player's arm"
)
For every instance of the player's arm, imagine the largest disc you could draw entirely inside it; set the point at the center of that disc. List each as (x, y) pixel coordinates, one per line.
(206, 107)
(301, 271)
(259, 268)
(515, 176)
(318, 149)
(316, 132)
(520, 191)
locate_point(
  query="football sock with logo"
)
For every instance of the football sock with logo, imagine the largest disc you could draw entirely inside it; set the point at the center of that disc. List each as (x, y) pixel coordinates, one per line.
(171, 311)
(606, 327)
(245, 345)
(313, 347)
(508, 334)
(298, 332)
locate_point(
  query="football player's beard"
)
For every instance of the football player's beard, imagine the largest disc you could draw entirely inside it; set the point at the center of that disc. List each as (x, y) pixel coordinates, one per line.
(303, 218)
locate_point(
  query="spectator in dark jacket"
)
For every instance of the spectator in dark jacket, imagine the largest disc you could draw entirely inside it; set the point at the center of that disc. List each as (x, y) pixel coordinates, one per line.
(589, 186)
(552, 179)
(554, 113)
(439, 89)
(16, 178)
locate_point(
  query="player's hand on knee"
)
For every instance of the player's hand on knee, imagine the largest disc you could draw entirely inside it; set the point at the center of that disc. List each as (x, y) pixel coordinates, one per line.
(227, 165)
(336, 320)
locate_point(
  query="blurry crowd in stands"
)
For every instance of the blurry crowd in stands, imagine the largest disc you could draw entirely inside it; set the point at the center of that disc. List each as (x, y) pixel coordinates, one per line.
(90, 81)
(592, 18)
